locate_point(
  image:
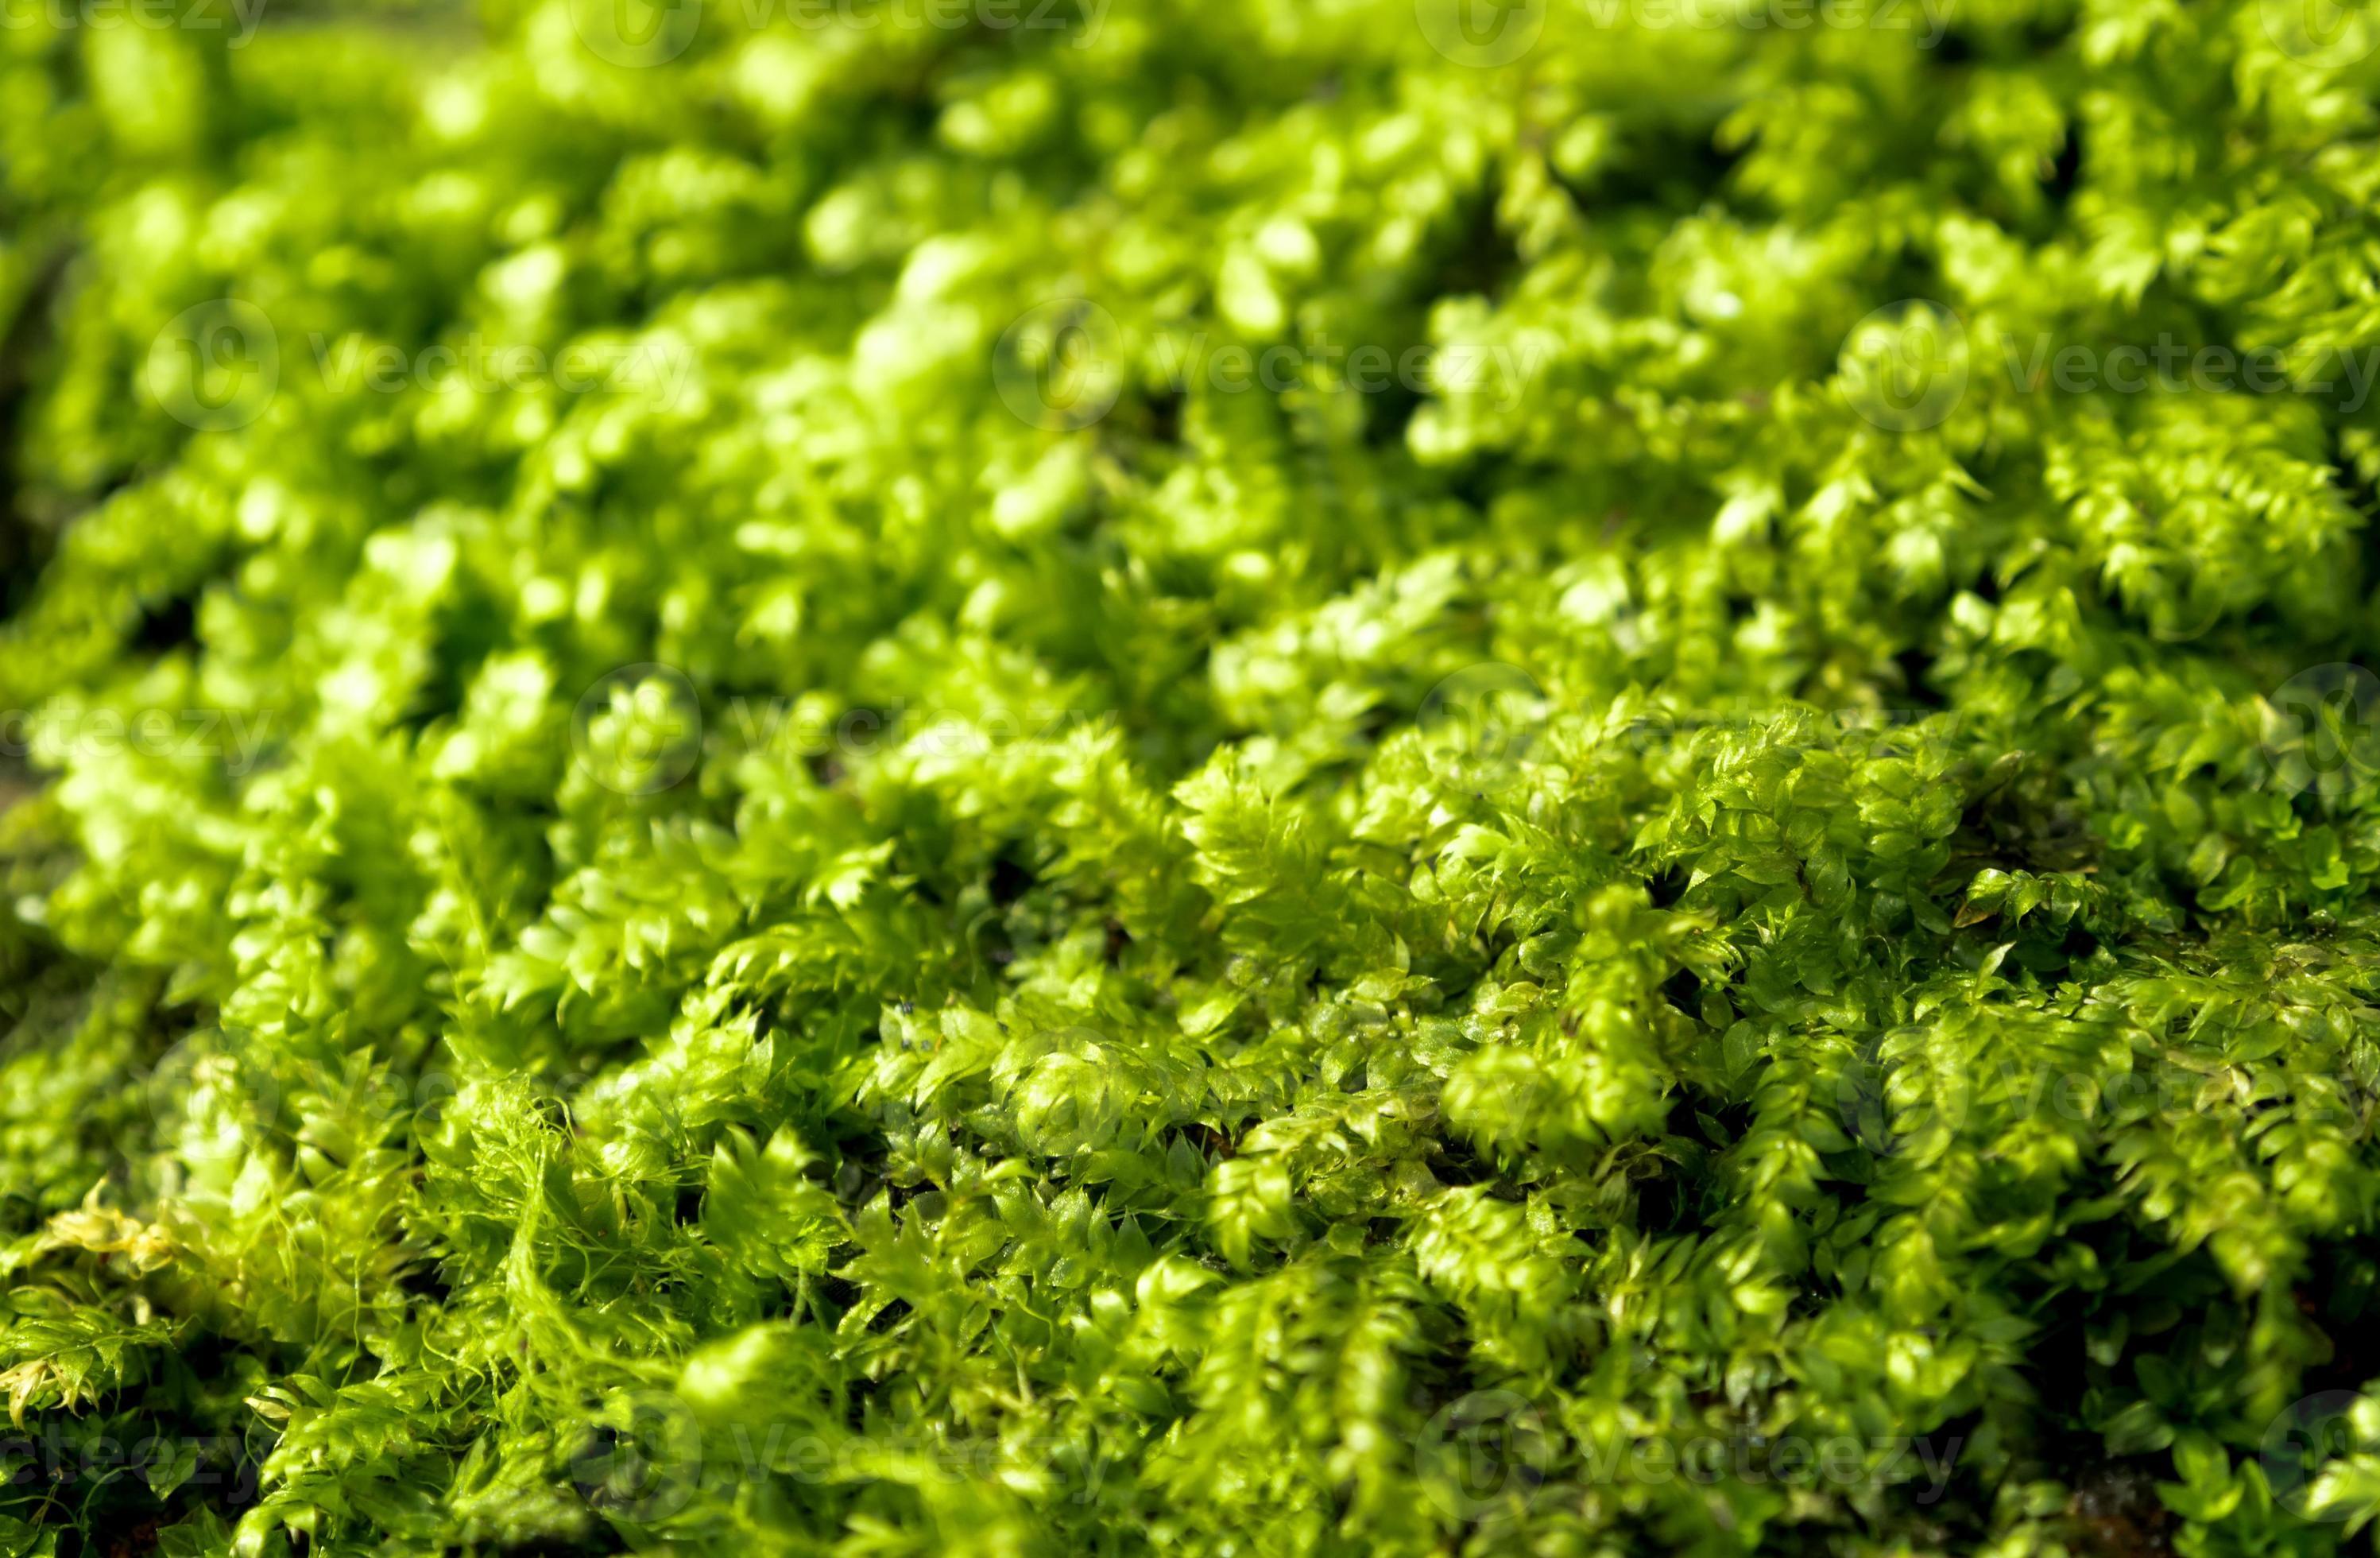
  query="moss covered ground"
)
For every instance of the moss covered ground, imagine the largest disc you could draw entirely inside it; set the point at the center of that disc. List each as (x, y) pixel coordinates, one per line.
(1240, 777)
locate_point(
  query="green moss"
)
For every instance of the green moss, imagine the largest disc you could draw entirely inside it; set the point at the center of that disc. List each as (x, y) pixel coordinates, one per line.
(1238, 778)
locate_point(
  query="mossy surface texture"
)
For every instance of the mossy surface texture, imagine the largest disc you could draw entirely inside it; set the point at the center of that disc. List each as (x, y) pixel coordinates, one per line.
(1189, 777)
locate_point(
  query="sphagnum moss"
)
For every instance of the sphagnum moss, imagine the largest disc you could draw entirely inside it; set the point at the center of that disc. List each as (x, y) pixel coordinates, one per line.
(1212, 777)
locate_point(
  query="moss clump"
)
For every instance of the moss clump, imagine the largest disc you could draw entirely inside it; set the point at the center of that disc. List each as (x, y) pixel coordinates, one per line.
(1222, 777)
